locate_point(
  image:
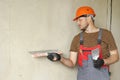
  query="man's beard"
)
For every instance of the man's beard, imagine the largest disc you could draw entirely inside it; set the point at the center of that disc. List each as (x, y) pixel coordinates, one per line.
(84, 28)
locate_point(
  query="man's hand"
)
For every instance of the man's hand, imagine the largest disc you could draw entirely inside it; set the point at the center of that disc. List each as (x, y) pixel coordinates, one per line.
(54, 56)
(98, 63)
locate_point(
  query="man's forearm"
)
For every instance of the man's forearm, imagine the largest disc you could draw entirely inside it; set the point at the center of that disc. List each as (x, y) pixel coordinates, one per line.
(112, 59)
(67, 62)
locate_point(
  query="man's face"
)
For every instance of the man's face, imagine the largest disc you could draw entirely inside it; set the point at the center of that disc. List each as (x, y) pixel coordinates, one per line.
(82, 23)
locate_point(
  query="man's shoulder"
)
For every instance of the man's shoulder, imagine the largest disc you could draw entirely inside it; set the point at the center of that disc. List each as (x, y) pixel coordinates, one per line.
(105, 31)
(76, 37)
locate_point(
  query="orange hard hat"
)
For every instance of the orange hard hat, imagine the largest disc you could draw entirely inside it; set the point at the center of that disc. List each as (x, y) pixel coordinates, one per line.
(84, 10)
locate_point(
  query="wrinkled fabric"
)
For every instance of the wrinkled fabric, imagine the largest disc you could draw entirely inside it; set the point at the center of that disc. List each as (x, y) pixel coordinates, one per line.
(88, 72)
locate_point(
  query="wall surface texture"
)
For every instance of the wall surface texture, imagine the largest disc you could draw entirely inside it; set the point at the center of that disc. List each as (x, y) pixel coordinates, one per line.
(28, 25)
(116, 31)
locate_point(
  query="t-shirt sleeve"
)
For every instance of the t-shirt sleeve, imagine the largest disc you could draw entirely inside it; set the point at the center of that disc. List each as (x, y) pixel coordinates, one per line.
(74, 44)
(111, 41)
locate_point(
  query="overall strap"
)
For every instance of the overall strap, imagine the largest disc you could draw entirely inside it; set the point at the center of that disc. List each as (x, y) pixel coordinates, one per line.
(81, 38)
(99, 40)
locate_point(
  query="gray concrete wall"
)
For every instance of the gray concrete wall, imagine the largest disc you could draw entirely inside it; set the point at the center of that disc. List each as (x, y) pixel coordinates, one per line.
(27, 25)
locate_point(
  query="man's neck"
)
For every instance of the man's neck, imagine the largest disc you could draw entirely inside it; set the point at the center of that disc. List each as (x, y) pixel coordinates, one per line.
(91, 29)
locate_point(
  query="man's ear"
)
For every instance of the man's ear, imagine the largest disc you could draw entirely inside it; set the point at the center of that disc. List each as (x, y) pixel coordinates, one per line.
(90, 19)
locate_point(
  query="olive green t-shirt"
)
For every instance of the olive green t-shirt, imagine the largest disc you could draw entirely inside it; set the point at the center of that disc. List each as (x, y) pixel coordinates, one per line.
(90, 40)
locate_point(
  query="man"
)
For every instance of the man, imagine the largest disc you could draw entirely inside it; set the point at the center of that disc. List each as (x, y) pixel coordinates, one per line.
(93, 49)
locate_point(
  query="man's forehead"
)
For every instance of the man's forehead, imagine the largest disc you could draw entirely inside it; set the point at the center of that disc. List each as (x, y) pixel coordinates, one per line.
(82, 17)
